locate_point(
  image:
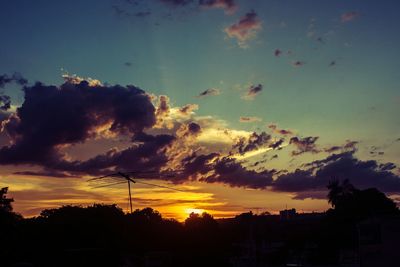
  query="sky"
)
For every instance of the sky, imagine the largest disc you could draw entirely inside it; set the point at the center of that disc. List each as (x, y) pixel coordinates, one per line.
(254, 105)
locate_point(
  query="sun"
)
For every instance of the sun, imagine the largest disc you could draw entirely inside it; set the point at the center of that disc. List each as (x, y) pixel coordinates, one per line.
(193, 210)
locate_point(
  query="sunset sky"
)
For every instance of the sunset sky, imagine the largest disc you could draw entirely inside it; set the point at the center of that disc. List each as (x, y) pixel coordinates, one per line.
(258, 103)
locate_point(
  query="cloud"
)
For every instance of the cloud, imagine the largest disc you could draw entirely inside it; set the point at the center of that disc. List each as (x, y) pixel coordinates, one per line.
(229, 171)
(228, 5)
(298, 63)
(210, 92)
(303, 145)
(188, 130)
(75, 79)
(188, 109)
(52, 117)
(252, 91)
(275, 129)
(246, 29)
(349, 145)
(363, 174)
(15, 77)
(47, 173)
(249, 119)
(176, 3)
(5, 102)
(162, 112)
(277, 52)
(253, 142)
(349, 16)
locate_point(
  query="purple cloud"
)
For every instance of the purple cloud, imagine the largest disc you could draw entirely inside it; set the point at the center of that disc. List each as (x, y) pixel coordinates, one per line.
(246, 29)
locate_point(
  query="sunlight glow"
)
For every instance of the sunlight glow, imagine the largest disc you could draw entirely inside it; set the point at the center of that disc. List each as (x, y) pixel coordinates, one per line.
(193, 210)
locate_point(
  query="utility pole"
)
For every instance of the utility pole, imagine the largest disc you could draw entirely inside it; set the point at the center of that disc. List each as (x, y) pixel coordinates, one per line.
(130, 196)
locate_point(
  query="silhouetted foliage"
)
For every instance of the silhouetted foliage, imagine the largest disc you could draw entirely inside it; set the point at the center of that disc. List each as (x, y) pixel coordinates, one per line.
(5, 203)
(102, 235)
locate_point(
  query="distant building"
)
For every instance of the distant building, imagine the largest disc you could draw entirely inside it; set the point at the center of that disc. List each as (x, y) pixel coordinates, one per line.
(286, 215)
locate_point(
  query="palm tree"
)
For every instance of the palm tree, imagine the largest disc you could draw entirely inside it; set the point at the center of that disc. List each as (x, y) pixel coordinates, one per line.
(339, 192)
(334, 192)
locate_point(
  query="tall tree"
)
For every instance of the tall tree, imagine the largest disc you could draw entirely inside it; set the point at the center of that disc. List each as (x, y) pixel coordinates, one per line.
(5, 203)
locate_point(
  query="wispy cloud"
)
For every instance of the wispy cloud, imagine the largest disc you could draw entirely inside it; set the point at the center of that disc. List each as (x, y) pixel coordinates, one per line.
(349, 16)
(246, 29)
(247, 119)
(210, 92)
(228, 5)
(252, 92)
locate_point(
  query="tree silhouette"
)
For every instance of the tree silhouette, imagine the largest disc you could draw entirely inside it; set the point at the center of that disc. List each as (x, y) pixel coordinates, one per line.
(339, 193)
(5, 203)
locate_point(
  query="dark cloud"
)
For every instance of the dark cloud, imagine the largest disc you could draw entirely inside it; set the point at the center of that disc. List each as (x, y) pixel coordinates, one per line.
(15, 77)
(197, 165)
(210, 92)
(275, 129)
(163, 107)
(228, 5)
(52, 117)
(298, 63)
(253, 142)
(148, 153)
(190, 129)
(188, 109)
(246, 29)
(363, 174)
(306, 144)
(229, 171)
(252, 91)
(46, 173)
(277, 144)
(277, 52)
(4, 115)
(349, 145)
(5, 102)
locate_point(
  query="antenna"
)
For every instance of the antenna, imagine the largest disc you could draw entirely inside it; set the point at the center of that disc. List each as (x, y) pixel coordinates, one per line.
(115, 179)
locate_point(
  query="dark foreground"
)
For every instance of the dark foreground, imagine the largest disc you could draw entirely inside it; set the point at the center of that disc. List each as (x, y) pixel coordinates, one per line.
(362, 229)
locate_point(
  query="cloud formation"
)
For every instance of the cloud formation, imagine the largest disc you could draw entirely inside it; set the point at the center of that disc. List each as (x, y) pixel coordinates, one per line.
(246, 119)
(363, 174)
(253, 142)
(303, 145)
(275, 129)
(252, 92)
(55, 117)
(246, 29)
(52, 117)
(210, 92)
(228, 5)
(15, 77)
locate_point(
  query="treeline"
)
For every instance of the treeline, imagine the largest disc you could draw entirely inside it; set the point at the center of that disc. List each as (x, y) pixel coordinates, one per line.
(103, 235)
